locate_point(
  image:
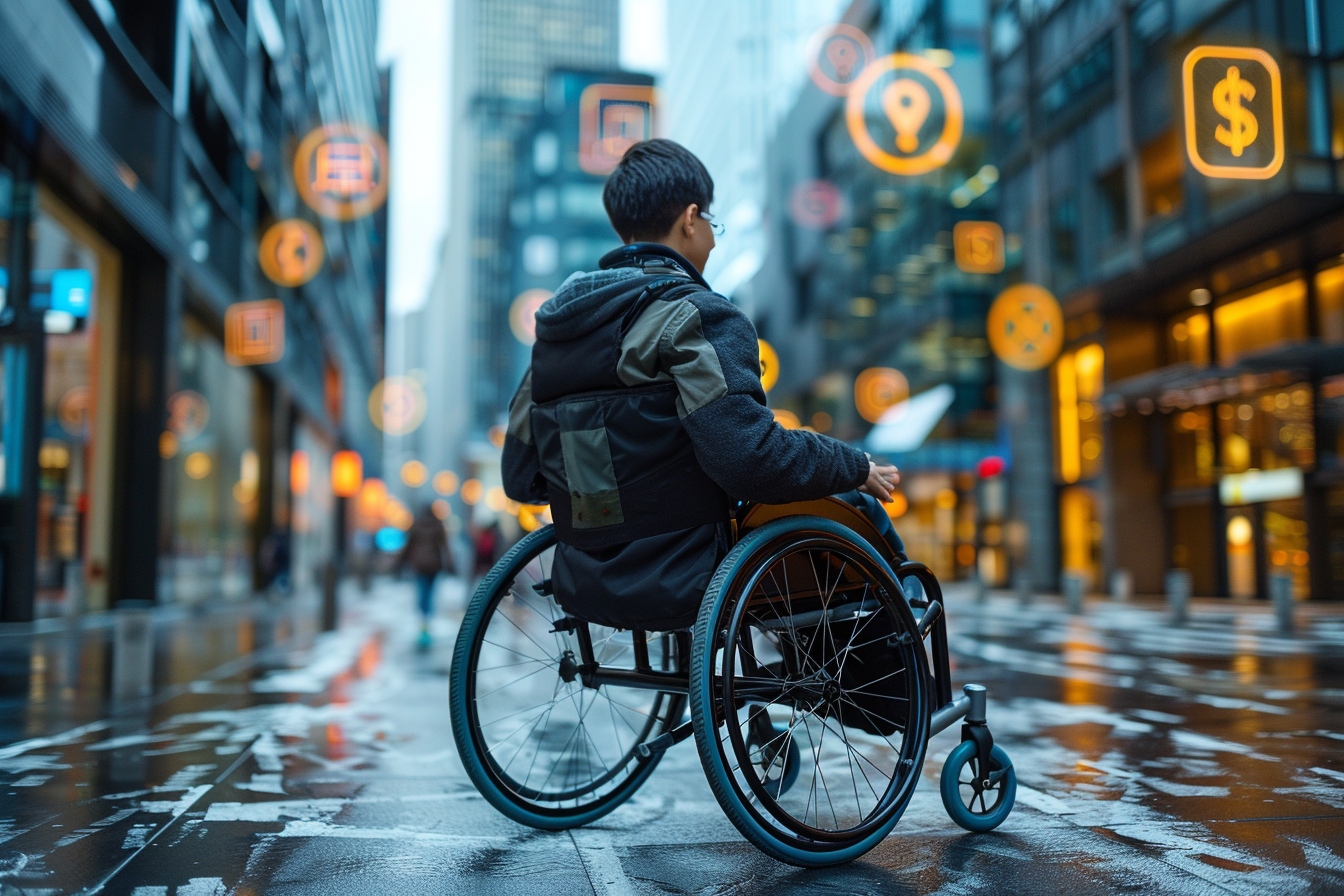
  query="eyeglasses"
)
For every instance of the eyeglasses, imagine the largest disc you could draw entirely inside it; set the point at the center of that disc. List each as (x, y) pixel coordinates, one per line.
(713, 225)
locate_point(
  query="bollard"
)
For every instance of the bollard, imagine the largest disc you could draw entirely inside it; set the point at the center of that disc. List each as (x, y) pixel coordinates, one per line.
(1022, 584)
(329, 615)
(981, 589)
(1122, 585)
(1178, 594)
(1281, 592)
(132, 650)
(1072, 584)
(75, 598)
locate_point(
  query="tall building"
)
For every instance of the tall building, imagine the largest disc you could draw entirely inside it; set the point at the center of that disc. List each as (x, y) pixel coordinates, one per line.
(464, 349)
(861, 300)
(736, 69)
(145, 147)
(1191, 421)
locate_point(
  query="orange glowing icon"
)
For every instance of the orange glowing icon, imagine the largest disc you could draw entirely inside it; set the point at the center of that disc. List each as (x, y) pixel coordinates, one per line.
(341, 171)
(73, 411)
(978, 246)
(523, 314)
(290, 252)
(254, 332)
(878, 389)
(769, 365)
(837, 55)
(1233, 112)
(613, 118)
(1026, 327)
(914, 92)
(397, 405)
(188, 414)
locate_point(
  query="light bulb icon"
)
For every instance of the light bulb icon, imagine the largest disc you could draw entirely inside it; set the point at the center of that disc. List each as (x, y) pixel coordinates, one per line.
(842, 55)
(906, 103)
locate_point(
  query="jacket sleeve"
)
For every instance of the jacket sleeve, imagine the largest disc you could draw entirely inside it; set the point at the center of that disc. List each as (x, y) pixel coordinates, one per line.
(520, 467)
(710, 348)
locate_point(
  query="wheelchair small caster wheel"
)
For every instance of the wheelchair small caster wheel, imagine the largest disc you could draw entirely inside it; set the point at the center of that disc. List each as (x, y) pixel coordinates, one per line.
(778, 758)
(969, 801)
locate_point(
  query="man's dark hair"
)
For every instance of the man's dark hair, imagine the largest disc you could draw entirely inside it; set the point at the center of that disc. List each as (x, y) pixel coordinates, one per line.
(652, 184)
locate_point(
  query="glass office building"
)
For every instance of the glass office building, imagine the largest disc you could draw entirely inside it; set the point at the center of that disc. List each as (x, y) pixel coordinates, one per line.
(1193, 416)
(144, 148)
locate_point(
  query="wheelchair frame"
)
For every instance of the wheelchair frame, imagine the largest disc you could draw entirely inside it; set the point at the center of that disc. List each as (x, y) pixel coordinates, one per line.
(991, 771)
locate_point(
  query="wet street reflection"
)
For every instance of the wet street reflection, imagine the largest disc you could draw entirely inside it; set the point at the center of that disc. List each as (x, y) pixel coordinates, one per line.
(1182, 760)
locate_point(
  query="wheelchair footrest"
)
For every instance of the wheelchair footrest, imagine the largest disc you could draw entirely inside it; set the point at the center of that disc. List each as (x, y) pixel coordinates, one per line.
(661, 743)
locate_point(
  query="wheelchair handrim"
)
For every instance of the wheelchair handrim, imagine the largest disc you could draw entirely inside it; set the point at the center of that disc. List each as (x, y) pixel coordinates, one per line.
(904, 772)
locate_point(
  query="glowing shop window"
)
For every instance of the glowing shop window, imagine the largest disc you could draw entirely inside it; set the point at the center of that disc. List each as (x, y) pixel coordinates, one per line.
(1079, 376)
(1265, 318)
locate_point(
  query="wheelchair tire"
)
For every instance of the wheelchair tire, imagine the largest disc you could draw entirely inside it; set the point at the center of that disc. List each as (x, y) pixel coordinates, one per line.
(770, 634)
(518, 723)
(960, 796)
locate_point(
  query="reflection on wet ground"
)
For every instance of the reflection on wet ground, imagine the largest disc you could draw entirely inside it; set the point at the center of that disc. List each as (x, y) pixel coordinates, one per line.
(1202, 759)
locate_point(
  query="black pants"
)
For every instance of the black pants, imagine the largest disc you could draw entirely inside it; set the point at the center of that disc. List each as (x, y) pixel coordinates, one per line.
(872, 508)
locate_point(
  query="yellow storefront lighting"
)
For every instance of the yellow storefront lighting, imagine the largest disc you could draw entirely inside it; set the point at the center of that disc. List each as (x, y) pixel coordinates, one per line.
(495, 499)
(442, 509)
(787, 419)
(198, 465)
(1239, 531)
(167, 445)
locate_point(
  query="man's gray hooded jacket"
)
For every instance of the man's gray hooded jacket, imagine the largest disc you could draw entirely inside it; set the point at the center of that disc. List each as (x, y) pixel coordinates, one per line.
(641, 420)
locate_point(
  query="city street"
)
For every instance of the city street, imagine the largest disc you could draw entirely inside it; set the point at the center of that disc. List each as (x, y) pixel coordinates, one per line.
(1203, 759)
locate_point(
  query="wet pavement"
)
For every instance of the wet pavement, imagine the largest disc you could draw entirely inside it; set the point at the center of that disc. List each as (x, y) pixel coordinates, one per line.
(1200, 759)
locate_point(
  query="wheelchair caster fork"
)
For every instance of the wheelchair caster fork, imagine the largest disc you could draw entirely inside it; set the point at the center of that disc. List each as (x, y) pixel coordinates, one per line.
(978, 783)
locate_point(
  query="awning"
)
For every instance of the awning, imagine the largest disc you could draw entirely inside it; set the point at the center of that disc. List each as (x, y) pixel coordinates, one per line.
(905, 426)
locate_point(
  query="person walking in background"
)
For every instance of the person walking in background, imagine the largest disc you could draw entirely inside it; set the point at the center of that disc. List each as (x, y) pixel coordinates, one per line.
(426, 553)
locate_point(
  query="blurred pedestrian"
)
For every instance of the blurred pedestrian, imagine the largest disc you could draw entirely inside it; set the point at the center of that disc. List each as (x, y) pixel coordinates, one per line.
(485, 546)
(426, 553)
(274, 558)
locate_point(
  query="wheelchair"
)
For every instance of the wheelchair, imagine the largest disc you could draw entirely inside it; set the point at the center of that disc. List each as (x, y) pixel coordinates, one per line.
(816, 672)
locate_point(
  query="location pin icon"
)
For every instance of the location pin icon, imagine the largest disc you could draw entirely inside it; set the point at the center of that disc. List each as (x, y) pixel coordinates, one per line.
(906, 103)
(842, 56)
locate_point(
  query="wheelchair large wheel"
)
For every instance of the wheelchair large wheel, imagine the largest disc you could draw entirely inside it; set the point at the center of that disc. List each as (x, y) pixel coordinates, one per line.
(540, 746)
(805, 623)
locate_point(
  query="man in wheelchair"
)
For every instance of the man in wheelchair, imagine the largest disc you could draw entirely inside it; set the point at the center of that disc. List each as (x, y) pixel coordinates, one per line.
(642, 419)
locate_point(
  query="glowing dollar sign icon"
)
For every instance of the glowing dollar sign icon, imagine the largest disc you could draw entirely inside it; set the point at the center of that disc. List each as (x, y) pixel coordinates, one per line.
(1242, 125)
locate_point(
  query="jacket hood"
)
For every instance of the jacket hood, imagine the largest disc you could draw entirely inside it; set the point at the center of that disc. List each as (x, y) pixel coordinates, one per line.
(586, 301)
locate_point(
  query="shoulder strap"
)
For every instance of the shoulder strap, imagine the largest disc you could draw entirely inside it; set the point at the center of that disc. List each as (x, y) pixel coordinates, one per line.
(661, 288)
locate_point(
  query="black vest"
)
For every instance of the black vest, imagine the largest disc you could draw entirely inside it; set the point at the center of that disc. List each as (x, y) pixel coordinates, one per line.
(618, 461)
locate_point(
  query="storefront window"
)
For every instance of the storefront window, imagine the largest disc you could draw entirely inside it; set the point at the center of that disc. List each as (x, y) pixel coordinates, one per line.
(212, 474)
(1262, 319)
(74, 276)
(1330, 303)
(1192, 454)
(1188, 339)
(1268, 431)
(1078, 382)
(1080, 532)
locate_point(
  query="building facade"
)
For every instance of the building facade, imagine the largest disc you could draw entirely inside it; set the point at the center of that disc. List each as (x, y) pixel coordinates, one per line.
(146, 148)
(1192, 416)
(859, 292)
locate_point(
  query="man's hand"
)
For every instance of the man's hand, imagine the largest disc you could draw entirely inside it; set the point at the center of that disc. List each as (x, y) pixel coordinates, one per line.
(881, 480)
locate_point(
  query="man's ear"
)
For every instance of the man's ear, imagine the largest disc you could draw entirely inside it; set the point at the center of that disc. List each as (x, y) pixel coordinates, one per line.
(688, 219)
